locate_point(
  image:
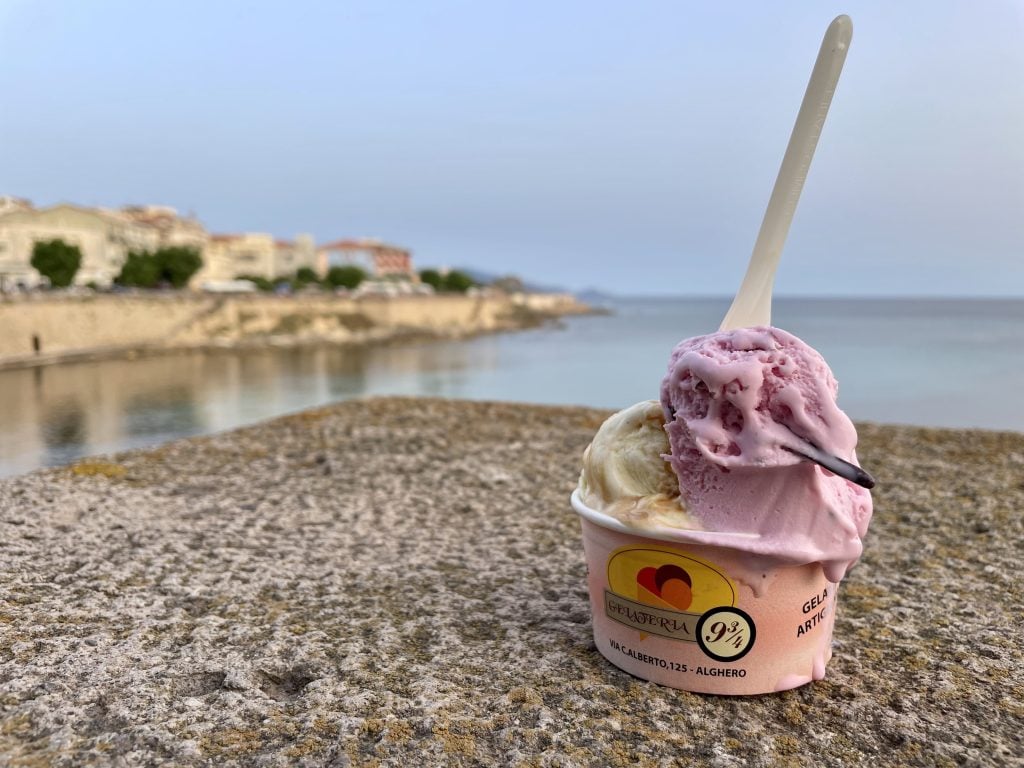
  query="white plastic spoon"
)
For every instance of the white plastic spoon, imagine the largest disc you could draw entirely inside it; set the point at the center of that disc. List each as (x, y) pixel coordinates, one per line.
(753, 302)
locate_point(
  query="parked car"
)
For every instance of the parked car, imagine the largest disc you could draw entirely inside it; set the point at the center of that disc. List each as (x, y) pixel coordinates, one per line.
(229, 286)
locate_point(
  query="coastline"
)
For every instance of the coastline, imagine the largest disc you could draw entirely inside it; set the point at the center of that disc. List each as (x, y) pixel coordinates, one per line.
(47, 331)
(399, 580)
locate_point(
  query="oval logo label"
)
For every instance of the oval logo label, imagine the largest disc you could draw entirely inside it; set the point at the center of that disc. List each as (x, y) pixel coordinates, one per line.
(669, 580)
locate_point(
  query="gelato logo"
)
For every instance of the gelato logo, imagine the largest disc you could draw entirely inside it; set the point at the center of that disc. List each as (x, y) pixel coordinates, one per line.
(668, 584)
(661, 591)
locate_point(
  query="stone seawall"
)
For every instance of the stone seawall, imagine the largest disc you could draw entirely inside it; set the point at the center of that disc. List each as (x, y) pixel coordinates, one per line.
(37, 331)
(58, 326)
(400, 582)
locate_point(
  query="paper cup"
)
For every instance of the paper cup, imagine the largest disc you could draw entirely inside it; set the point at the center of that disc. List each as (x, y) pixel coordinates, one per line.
(708, 619)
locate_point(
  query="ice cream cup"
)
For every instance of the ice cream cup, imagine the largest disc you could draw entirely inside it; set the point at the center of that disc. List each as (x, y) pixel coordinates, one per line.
(709, 619)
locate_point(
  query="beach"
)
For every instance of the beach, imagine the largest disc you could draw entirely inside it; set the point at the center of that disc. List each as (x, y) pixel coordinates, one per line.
(398, 581)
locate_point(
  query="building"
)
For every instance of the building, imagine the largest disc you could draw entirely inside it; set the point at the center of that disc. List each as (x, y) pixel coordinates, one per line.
(106, 236)
(228, 256)
(377, 258)
(255, 254)
(172, 230)
(292, 255)
(9, 203)
(103, 237)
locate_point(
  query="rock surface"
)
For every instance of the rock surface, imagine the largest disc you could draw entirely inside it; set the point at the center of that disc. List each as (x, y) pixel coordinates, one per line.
(400, 582)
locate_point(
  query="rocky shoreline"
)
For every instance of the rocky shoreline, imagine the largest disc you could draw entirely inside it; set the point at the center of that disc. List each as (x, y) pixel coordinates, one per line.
(400, 582)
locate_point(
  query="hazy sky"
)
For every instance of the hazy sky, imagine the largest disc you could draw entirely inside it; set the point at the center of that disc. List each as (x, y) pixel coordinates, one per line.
(626, 146)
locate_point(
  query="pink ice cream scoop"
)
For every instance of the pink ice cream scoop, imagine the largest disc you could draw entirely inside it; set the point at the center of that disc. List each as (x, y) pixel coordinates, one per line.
(744, 410)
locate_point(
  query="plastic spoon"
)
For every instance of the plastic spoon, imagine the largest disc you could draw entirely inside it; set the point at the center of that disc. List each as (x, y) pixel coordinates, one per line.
(753, 302)
(833, 464)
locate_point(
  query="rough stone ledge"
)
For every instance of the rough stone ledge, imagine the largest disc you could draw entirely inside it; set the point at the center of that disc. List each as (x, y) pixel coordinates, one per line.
(400, 582)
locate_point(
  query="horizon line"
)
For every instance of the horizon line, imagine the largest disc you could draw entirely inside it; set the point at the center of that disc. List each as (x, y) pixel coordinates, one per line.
(812, 296)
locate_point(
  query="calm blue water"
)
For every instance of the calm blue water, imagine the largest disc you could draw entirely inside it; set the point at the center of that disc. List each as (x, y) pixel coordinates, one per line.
(955, 363)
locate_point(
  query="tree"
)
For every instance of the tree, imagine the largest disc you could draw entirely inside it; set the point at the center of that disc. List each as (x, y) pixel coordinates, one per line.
(305, 276)
(458, 282)
(348, 276)
(172, 266)
(140, 270)
(57, 261)
(177, 264)
(260, 282)
(432, 278)
(509, 284)
(452, 281)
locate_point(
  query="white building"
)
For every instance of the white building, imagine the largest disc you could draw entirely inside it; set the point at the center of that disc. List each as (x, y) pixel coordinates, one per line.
(104, 237)
(172, 229)
(254, 254)
(292, 255)
(377, 258)
(9, 203)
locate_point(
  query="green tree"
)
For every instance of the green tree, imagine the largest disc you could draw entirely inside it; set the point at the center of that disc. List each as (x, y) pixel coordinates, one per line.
(305, 276)
(348, 276)
(509, 284)
(260, 282)
(458, 282)
(172, 266)
(177, 264)
(432, 277)
(140, 270)
(57, 261)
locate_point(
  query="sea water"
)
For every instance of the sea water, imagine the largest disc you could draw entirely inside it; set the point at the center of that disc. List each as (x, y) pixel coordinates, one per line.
(949, 363)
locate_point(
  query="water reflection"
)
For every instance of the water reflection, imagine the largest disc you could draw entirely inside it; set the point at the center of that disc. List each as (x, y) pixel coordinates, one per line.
(63, 431)
(168, 410)
(346, 374)
(55, 414)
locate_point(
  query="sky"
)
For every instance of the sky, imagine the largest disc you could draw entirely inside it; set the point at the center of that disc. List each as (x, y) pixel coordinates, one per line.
(627, 147)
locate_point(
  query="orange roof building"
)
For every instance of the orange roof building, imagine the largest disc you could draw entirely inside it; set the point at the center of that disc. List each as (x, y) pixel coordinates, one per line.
(378, 258)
